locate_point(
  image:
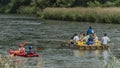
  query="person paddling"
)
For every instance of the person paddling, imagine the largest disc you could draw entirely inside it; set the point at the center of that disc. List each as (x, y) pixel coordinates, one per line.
(21, 50)
(30, 51)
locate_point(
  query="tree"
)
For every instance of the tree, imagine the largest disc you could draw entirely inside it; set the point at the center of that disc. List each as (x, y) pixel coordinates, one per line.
(65, 3)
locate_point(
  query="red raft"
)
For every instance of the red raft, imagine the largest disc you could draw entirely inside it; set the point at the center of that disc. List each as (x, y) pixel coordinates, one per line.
(16, 53)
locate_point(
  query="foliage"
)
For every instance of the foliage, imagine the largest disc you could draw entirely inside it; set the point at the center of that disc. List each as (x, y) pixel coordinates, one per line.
(26, 10)
(14, 6)
(42, 3)
(94, 4)
(35, 7)
(109, 4)
(117, 3)
(65, 3)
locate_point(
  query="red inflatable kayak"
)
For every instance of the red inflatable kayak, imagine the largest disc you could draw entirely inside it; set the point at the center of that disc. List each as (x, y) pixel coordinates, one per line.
(16, 53)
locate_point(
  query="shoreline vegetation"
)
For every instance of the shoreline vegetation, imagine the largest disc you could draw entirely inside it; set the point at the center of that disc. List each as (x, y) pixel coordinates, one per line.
(101, 11)
(96, 14)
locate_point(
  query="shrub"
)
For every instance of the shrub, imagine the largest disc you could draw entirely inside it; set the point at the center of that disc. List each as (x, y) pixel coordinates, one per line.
(93, 4)
(26, 10)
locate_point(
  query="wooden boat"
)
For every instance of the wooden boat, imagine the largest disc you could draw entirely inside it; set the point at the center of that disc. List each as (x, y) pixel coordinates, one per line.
(91, 47)
(84, 47)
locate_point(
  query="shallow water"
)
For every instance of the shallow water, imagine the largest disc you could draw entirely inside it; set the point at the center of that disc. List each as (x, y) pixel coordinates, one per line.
(48, 35)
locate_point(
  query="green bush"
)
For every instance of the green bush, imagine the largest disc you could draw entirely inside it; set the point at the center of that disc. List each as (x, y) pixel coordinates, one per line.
(93, 4)
(65, 3)
(109, 4)
(117, 3)
(26, 10)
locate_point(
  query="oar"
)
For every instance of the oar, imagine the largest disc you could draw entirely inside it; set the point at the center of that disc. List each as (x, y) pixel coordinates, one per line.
(25, 42)
(39, 48)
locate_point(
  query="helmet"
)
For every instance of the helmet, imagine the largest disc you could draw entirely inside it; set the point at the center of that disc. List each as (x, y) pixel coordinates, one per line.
(20, 45)
(30, 47)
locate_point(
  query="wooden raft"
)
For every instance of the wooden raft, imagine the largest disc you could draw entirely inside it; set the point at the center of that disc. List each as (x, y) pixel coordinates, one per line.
(85, 47)
(91, 47)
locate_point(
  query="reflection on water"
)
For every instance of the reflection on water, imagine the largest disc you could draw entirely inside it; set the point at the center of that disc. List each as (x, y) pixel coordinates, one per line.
(22, 62)
(95, 56)
(84, 53)
(105, 55)
(92, 54)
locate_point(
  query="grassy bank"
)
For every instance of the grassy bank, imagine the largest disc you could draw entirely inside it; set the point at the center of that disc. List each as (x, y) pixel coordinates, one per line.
(102, 15)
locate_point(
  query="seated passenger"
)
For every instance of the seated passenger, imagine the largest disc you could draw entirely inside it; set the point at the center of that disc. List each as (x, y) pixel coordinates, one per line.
(74, 38)
(82, 35)
(85, 39)
(95, 37)
(96, 41)
(30, 51)
(90, 40)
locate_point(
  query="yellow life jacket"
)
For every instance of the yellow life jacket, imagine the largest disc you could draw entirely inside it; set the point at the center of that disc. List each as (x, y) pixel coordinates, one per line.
(97, 43)
(80, 43)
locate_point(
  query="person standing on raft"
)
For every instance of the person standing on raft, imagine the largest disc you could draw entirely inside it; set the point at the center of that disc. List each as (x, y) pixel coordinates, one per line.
(105, 39)
(90, 30)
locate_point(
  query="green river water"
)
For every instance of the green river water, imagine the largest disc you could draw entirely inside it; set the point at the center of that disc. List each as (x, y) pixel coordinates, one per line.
(48, 35)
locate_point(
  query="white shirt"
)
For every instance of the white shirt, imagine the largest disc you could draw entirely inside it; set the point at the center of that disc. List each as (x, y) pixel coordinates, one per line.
(92, 31)
(76, 38)
(105, 40)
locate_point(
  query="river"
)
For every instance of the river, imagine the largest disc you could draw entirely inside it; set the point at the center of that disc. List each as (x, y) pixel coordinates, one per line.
(48, 35)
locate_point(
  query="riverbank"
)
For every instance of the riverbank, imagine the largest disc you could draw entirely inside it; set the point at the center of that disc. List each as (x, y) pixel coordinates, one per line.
(101, 15)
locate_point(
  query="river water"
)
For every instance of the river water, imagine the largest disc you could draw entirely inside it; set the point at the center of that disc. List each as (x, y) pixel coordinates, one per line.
(48, 35)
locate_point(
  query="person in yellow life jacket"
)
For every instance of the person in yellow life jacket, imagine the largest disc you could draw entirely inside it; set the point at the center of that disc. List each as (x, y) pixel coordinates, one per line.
(95, 37)
(81, 40)
(96, 41)
(82, 35)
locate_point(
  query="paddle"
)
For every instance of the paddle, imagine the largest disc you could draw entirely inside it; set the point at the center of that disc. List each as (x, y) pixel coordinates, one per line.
(25, 42)
(39, 48)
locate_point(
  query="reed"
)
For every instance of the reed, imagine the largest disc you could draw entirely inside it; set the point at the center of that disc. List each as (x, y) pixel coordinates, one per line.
(7, 62)
(102, 15)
